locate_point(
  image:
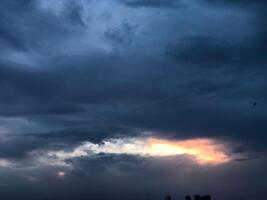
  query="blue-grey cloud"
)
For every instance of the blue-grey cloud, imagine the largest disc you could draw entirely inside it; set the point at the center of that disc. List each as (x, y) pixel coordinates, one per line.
(77, 71)
(151, 3)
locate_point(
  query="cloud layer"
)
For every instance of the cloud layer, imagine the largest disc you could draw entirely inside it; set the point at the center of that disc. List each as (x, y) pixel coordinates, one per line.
(73, 72)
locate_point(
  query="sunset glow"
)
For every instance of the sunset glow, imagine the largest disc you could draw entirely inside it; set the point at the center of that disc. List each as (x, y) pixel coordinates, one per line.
(204, 151)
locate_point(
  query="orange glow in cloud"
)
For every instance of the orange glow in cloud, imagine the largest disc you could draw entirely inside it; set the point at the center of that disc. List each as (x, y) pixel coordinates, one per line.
(206, 151)
(203, 150)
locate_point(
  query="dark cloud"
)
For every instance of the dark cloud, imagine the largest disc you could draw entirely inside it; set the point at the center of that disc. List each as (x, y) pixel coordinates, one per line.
(136, 177)
(8, 36)
(210, 52)
(73, 12)
(17, 148)
(25, 25)
(242, 3)
(151, 3)
(69, 75)
(204, 52)
(122, 35)
(94, 134)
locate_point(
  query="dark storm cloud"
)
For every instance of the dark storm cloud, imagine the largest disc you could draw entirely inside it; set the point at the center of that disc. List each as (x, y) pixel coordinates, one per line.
(211, 52)
(73, 75)
(65, 89)
(151, 3)
(29, 92)
(122, 35)
(21, 146)
(136, 178)
(18, 148)
(243, 3)
(7, 34)
(23, 25)
(7, 39)
(73, 12)
(95, 134)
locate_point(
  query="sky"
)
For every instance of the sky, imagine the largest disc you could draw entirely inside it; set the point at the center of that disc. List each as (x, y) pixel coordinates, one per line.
(133, 99)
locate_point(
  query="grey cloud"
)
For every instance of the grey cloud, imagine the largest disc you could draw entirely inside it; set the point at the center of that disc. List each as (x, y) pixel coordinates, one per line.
(24, 24)
(123, 35)
(245, 4)
(75, 77)
(136, 177)
(151, 3)
(19, 146)
(92, 134)
(209, 52)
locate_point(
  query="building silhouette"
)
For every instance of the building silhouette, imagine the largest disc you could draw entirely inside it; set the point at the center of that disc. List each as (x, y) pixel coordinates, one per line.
(199, 197)
(188, 198)
(168, 197)
(196, 197)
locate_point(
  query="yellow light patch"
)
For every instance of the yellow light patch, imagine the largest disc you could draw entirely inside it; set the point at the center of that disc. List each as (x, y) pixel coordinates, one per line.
(204, 150)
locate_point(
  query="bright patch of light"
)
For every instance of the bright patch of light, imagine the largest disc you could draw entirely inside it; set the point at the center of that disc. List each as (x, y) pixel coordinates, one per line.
(205, 151)
(61, 174)
(4, 163)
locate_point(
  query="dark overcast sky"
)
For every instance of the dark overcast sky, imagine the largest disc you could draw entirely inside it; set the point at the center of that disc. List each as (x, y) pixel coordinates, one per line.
(76, 72)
